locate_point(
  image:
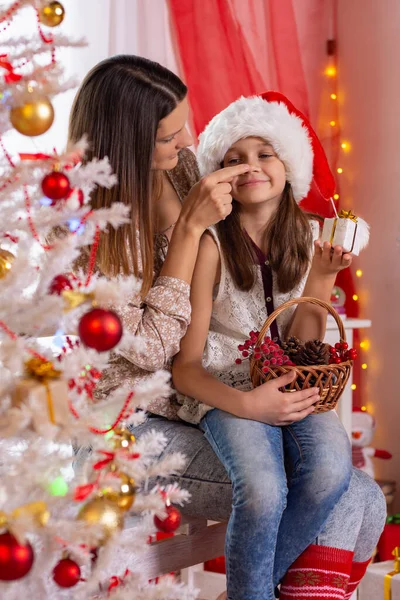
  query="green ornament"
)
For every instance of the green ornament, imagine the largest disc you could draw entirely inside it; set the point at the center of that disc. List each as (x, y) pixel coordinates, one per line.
(58, 487)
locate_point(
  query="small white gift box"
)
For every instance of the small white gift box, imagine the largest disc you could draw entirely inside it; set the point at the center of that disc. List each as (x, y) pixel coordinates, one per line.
(372, 587)
(346, 230)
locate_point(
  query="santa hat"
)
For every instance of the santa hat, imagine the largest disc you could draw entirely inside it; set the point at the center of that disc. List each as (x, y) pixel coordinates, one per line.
(273, 117)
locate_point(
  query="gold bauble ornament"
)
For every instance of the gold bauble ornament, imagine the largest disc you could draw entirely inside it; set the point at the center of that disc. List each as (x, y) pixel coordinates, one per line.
(6, 261)
(52, 14)
(101, 511)
(123, 494)
(34, 117)
(123, 438)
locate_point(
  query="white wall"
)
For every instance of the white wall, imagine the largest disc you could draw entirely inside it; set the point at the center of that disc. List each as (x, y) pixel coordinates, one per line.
(369, 82)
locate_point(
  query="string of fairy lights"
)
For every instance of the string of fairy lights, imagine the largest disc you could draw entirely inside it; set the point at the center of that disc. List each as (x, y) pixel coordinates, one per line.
(341, 146)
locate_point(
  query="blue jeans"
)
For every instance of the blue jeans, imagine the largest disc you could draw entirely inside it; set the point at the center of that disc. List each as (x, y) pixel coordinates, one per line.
(274, 518)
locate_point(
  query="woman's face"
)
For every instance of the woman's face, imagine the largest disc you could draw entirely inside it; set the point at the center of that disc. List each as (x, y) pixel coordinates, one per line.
(172, 136)
(266, 178)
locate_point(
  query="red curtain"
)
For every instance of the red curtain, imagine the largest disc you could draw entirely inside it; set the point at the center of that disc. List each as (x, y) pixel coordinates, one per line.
(230, 48)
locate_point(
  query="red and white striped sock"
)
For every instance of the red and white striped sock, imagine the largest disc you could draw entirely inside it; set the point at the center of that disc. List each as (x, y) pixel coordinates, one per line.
(320, 573)
(357, 573)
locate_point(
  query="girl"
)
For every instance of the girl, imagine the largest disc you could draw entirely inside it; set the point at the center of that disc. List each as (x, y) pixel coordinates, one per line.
(134, 111)
(253, 261)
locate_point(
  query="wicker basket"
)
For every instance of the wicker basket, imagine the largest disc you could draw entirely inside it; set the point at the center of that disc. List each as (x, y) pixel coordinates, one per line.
(330, 379)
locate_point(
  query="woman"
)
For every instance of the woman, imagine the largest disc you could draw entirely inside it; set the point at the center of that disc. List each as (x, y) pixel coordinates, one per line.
(134, 111)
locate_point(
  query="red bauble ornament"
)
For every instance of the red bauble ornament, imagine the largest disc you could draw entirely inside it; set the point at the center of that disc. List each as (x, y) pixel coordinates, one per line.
(100, 329)
(75, 198)
(56, 185)
(16, 559)
(171, 521)
(59, 284)
(66, 573)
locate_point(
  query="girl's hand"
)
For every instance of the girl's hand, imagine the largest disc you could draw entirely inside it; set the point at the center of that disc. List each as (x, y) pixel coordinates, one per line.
(329, 261)
(210, 199)
(268, 404)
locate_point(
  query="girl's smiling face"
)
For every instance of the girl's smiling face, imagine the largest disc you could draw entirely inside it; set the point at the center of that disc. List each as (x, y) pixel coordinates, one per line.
(266, 178)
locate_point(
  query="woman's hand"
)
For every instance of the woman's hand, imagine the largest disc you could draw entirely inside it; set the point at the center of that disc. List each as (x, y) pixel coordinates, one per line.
(209, 200)
(268, 404)
(329, 261)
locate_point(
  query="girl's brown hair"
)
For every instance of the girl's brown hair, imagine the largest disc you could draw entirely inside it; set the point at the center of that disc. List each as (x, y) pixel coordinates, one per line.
(119, 106)
(287, 237)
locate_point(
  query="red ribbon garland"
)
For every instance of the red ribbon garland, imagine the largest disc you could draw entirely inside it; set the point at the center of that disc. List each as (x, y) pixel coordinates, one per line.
(116, 581)
(11, 76)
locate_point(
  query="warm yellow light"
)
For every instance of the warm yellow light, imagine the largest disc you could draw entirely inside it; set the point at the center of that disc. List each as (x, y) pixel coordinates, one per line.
(344, 145)
(330, 71)
(333, 96)
(359, 273)
(332, 123)
(340, 170)
(363, 408)
(336, 196)
(364, 366)
(365, 344)
(353, 386)
(355, 297)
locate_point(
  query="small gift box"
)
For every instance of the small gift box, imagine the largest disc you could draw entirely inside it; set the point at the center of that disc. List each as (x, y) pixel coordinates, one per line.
(44, 392)
(346, 230)
(382, 580)
(390, 538)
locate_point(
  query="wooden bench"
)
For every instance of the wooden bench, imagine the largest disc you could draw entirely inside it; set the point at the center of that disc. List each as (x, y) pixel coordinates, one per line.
(195, 542)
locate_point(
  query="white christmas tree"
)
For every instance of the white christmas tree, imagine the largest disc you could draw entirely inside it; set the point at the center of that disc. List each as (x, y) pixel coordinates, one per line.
(61, 528)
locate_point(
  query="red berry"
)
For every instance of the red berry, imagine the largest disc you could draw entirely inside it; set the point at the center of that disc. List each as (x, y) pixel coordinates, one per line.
(264, 347)
(238, 361)
(257, 355)
(338, 346)
(332, 350)
(337, 360)
(245, 353)
(273, 361)
(240, 347)
(265, 369)
(266, 362)
(344, 345)
(279, 361)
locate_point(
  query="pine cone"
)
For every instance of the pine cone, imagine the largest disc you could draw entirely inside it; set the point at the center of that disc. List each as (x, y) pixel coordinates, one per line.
(291, 347)
(312, 353)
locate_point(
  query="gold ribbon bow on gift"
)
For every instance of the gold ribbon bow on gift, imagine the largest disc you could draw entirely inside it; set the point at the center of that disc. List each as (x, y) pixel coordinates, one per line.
(387, 584)
(347, 214)
(37, 511)
(43, 371)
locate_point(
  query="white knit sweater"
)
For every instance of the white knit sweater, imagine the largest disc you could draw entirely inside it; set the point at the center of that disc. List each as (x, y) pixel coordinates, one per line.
(234, 314)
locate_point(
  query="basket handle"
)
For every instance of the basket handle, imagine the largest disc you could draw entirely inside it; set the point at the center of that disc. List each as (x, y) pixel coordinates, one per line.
(302, 300)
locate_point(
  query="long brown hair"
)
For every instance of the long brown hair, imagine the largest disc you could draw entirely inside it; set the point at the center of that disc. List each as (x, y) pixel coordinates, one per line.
(287, 237)
(119, 106)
